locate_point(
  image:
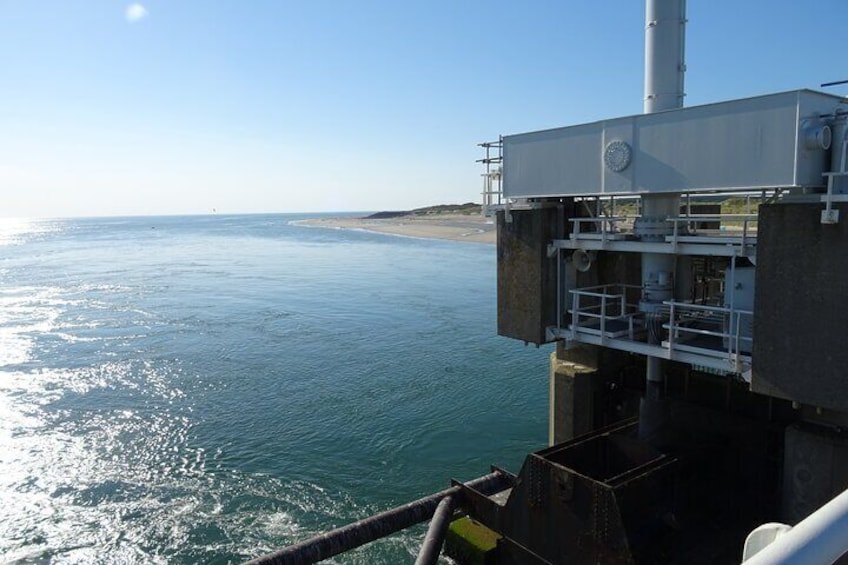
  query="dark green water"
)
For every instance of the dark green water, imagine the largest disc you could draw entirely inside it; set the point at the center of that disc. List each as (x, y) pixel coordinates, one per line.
(206, 389)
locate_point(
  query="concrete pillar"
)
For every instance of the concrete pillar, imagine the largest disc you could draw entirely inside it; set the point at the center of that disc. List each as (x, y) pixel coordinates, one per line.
(571, 399)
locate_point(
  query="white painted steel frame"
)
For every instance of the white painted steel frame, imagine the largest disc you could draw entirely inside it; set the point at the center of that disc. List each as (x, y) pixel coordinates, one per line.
(721, 364)
(732, 353)
(734, 249)
(626, 311)
(729, 359)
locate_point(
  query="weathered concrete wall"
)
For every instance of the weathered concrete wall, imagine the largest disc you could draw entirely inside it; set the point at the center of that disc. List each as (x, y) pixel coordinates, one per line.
(815, 469)
(572, 395)
(585, 391)
(801, 306)
(526, 275)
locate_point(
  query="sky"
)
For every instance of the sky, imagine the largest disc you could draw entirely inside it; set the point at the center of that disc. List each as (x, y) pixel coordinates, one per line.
(184, 107)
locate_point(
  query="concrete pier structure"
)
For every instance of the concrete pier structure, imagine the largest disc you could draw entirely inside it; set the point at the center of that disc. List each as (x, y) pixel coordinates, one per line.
(722, 331)
(691, 265)
(572, 391)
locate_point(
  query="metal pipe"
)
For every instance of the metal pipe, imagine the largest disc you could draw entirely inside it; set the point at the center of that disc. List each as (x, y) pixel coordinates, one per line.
(665, 39)
(654, 370)
(820, 538)
(340, 540)
(432, 546)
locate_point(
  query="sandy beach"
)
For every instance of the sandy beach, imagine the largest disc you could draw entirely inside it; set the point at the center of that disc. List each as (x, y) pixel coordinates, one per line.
(456, 227)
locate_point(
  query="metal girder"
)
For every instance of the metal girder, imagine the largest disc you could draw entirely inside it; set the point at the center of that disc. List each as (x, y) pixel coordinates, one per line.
(704, 249)
(714, 361)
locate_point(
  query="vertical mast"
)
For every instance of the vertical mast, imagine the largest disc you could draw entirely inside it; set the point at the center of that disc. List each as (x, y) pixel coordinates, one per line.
(665, 39)
(665, 22)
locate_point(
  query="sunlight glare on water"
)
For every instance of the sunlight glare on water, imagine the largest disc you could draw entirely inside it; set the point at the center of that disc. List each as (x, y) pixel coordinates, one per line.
(14, 231)
(207, 389)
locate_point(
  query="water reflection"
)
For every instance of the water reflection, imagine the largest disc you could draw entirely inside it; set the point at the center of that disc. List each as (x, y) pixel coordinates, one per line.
(15, 231)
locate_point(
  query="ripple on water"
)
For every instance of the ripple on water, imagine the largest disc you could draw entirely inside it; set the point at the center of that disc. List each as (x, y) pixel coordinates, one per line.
(219, 387)
(93, 481)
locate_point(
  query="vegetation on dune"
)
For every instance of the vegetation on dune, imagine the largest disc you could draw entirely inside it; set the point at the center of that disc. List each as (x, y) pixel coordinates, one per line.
(626, 207)
(468, 209)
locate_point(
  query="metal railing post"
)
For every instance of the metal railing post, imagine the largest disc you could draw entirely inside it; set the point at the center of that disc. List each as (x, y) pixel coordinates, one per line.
(575, 316)
(559, 288)
(671, 328)
(674, 233)
(603, 316)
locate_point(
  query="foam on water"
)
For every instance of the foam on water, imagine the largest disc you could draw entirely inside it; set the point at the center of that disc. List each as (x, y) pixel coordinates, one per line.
(207, 389)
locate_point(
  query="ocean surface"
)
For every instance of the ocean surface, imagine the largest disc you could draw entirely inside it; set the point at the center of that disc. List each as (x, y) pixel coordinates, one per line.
(206, 389)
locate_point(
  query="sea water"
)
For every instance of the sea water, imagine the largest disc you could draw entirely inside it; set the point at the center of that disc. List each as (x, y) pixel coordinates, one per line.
(206, 389)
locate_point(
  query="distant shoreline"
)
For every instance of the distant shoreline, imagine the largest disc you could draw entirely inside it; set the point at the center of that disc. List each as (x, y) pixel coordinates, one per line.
(470, 227)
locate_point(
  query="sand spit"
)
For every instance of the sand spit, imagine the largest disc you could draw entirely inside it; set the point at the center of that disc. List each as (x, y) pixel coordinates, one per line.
(455, 227)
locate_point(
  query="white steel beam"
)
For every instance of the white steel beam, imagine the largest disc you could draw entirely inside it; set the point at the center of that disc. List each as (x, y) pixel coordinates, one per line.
(710, 249)
(713, 361)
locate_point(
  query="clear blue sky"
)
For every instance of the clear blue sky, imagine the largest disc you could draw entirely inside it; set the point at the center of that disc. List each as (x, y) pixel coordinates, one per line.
(184, 106)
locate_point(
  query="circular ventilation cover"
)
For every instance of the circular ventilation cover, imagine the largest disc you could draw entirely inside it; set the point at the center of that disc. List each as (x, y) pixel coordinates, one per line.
(617, 156)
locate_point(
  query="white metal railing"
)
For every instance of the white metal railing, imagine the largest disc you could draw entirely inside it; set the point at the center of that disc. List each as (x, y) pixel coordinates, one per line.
(609, 303)
(606, 226)
(492, 176)
(724, 323)
(829, 215)
(603, 314)
(693, 219)
(820, 538)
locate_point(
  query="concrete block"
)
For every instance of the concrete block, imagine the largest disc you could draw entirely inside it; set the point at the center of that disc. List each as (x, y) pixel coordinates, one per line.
(572, 391)
(469, 542)
(526, 275)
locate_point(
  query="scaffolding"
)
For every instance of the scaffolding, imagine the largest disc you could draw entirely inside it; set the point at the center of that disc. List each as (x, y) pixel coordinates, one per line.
(492, 177)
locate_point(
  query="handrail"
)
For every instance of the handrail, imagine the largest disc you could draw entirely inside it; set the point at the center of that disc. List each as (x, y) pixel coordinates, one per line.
(585, 288)
(732, 334)
(602, 220)
(609, 225)
(598, 219)
(820, 538)
(705, 307)
(609, 303)
(746, 219)
(690, 217)
(605, 298)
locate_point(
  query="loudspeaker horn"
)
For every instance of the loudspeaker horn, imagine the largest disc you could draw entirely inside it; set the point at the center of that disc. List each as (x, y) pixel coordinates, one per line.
(582, 260)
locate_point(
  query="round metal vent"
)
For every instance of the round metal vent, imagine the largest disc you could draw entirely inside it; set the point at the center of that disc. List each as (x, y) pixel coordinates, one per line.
(617, 155)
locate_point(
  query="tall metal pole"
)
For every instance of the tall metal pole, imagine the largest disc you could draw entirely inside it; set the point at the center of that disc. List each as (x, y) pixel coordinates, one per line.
(665, 37)
(665, 24)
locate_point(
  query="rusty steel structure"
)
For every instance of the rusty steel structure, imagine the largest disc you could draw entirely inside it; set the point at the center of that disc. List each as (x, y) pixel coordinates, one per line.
(351, 536)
